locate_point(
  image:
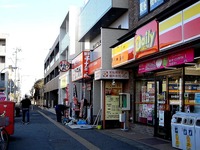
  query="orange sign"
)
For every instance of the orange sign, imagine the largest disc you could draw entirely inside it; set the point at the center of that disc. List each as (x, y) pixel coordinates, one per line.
(95, 65)
(123, 53)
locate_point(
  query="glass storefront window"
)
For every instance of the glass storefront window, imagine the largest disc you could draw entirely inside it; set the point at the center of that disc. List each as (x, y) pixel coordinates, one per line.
(192, 93)
(145, 98)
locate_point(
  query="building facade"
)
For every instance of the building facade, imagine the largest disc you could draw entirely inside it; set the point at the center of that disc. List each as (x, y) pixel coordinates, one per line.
(7, 85)
(66, 46)
(165, 61)
(51, 76)
(107, 22)
(139, 58)
(3, 82)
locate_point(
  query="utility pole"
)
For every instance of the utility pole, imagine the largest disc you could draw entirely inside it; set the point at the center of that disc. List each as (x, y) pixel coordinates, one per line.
(15, 81)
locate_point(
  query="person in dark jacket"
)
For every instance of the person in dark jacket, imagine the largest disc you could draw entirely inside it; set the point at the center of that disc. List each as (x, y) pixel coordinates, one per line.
(60, 111)
(25, 104)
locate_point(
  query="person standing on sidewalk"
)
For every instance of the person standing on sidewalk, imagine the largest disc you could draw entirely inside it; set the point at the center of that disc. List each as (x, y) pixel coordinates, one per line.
(25, 103)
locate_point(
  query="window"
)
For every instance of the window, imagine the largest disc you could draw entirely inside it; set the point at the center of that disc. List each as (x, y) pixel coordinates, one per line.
(2, 59)
(149, 5)
(144, 104)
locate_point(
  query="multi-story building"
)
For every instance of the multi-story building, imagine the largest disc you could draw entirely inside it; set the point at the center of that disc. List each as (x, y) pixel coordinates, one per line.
(66, 46)
(100, 25)
(6, 83)
(51, 75)
(2, 62)
(165, 61)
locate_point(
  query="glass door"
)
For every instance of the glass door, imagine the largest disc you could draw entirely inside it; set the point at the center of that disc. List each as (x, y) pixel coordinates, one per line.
(168, 100)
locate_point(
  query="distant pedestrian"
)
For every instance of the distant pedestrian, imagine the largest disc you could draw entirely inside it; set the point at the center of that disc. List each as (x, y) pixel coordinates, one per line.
(25, 103)
(60, 111)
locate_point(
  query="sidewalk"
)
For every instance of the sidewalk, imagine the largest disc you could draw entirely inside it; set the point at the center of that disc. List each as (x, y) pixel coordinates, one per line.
(138, 133)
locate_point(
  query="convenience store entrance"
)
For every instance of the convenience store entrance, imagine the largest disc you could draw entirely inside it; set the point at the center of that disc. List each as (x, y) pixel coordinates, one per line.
(169, 99)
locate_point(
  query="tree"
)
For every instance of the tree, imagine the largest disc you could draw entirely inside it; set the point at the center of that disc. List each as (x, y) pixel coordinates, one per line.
(37, 87)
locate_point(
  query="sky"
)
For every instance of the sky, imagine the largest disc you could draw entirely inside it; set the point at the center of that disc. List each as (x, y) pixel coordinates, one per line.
(31, 26)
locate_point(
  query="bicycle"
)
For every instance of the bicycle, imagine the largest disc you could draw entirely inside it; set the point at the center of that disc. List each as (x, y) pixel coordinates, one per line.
(4, 137)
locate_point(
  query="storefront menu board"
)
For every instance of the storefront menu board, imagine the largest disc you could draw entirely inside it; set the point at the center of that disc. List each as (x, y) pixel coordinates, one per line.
(112, 109)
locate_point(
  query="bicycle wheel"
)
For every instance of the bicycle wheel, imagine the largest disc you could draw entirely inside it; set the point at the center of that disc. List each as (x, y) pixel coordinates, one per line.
(4, 139)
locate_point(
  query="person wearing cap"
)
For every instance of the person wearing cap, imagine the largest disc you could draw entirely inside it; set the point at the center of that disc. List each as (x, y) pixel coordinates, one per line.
(25, 103)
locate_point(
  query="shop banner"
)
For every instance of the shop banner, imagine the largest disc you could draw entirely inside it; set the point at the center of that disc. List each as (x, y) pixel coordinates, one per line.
(167, 61)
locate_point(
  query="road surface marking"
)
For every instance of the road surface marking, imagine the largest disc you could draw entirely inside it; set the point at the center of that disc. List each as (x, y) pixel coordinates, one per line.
(72, 134)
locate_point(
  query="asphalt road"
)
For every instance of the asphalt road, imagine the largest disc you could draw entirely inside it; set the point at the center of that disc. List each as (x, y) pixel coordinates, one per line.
(44, 133)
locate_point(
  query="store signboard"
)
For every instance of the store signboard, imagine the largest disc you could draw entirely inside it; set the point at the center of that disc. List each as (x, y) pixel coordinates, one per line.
(64, 65)
(179, 28)
(191, 22)
(111, 74)
(123, 53)
(146, 40)
(143, 7)
(155, 3)
(167, 61)
(80, 66)
(64, 80)
(170, 31)
(95, 65)
(144, 43)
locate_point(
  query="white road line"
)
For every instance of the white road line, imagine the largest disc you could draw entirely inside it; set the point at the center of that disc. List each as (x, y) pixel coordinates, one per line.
(72, 134)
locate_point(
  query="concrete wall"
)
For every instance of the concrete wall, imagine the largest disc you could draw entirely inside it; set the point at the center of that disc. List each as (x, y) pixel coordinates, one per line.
(108, 38)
